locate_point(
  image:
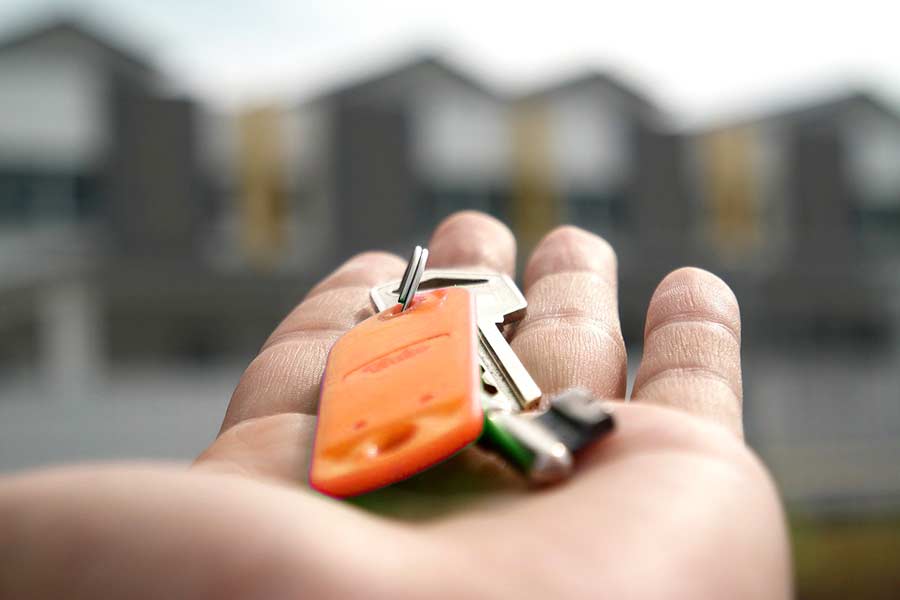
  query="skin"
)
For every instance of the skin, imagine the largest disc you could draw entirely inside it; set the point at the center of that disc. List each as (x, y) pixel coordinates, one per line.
(673, 505)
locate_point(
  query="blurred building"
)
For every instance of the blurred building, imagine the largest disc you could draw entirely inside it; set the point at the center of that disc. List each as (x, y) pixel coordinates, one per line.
(92, 158)
(87, 133)
(379, 161)
(139, 228)
(580, 151)
(799, 209)
(111, 201)
(805, 201)
(594, 151)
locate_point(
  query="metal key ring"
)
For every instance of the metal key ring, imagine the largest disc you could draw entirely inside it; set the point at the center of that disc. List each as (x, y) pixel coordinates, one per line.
(409, 284)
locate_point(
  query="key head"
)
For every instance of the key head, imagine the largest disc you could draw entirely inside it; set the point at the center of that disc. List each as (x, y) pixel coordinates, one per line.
(400, 392)
(497, 296)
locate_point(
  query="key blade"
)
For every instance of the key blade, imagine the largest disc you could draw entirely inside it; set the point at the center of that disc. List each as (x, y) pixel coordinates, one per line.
(493, 399)
(441, 282)
(505, 368)
(496, 295)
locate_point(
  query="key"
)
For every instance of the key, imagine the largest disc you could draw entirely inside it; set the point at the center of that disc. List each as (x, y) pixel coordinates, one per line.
(401, 392)
(506, 384)
(543, 445)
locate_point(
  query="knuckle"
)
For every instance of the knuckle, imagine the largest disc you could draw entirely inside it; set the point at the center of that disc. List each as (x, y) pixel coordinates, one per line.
(687, 375)
(272, 361)
(692, 295)
(547, 324)
(689, 350)
(362, 270)
(340, 303)
(568, 249)
(282, 378)
(326, 311)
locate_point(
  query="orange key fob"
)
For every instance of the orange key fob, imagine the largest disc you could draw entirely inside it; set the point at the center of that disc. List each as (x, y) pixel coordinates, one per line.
(400, 393)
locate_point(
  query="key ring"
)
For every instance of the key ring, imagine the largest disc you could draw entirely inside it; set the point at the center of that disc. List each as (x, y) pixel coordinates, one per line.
(409, 284)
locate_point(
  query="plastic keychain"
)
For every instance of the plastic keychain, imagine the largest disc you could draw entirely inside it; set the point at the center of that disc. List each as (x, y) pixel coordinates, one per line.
(401, 392)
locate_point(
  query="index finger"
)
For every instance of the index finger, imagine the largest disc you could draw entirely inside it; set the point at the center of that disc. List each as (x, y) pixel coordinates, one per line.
(284, 377)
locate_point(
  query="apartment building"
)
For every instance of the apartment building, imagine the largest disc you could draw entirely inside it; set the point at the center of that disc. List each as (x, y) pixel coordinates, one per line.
(375, 162)
(108, 224)
(139, 228)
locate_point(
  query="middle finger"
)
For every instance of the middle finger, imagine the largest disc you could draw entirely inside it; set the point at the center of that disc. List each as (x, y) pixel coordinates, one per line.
(474, 240)
(571, 336)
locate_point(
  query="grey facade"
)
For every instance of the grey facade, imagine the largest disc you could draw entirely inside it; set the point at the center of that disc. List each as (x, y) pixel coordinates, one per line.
(106, 221)
(400, 150)
(122, 211)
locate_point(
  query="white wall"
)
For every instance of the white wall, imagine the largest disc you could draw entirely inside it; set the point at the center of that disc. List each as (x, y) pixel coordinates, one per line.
(52, 109)
(217, 146)
(874, 157)
(588, 139)
(462, 137)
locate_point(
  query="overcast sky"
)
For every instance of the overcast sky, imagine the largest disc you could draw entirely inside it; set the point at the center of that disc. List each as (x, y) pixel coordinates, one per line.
(696, 58)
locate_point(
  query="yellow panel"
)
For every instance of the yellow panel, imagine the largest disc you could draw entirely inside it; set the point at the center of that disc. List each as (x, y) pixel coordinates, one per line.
(536, 203)
(732, 191)
(263, 209)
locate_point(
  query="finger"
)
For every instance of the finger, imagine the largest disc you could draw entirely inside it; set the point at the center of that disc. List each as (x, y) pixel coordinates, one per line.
(285, 376)
(571, 335)
(473, 239)
(692, 348)
(274, 447)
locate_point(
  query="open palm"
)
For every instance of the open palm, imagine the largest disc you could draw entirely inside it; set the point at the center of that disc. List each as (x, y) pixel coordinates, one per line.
(672, 505)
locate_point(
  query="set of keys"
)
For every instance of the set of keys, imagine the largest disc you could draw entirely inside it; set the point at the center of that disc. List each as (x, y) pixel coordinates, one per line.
(432, 373)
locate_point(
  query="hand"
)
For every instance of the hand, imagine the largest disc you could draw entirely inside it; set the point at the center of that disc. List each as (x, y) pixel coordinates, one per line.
(673, 505)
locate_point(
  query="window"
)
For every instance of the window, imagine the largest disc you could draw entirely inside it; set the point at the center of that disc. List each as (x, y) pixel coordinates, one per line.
(436, 203)
(30, 196)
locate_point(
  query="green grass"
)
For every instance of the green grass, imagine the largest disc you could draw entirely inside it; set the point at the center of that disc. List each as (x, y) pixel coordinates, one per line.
(847, 559)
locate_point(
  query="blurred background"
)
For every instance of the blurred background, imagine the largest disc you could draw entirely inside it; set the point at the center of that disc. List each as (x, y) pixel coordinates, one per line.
(174, 176)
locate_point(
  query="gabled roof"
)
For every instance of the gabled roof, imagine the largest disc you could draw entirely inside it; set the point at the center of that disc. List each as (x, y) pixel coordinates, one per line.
(837, 103)
(809, 110)
(403, 69)
(81, 31)
(588, 78)
(637, 100)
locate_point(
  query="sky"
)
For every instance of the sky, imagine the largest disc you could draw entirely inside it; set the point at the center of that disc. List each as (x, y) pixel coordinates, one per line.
(697, 59)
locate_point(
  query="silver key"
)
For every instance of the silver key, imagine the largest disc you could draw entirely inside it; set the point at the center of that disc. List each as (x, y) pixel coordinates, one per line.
(506, 384)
